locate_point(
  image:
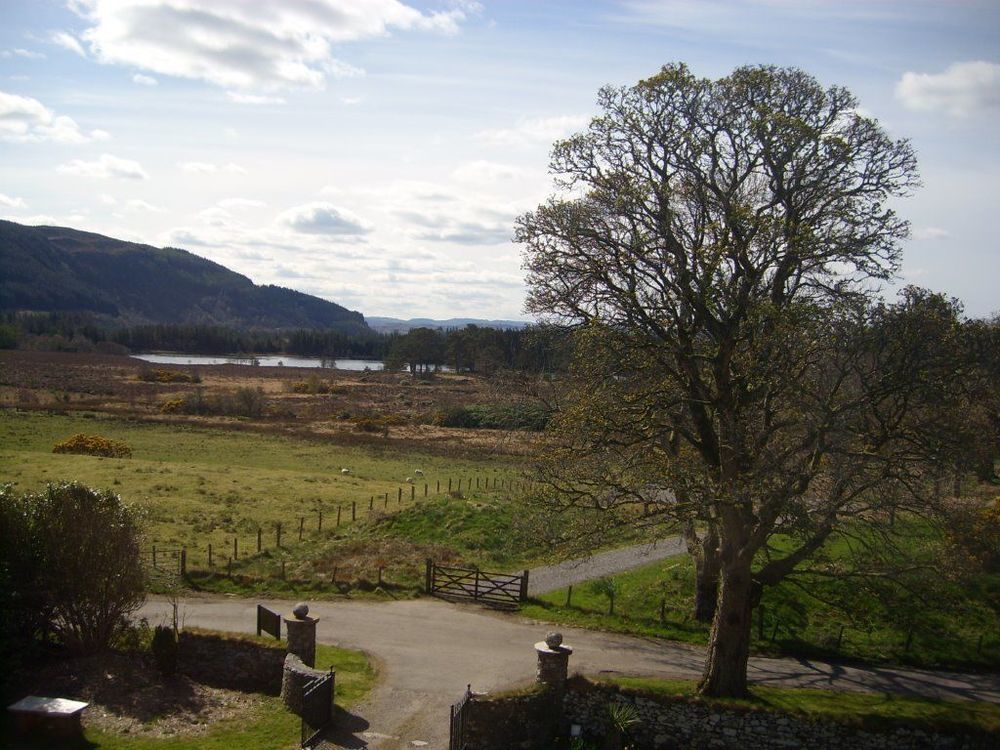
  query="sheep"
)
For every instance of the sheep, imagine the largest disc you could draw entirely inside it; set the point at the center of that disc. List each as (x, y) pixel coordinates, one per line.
(409, 480)
(418, 472)
(345, 472)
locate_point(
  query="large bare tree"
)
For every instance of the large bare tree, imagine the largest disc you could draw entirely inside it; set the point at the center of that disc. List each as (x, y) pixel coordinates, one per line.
(719, 242)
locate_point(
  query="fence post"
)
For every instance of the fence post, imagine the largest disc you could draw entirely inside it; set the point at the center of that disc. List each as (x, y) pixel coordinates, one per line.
(154, 555)
(429, 577)
(438, 491)
(399, 496)
(386, 503)
(663, 610)
(371, 503)
(569, 596)
(319, 526)
(210, 554)
(338, 515)
(449, 484)
(477, 483)
(413, 492)
(475, 591)
(259, 535)
(282, 570)
(523, 594)
(302, 524)
(277, 534)
(840, 637)
(236, 548)
(460, 484)
(354, 510)
(184, 561)
(425, 489)
(230, 566)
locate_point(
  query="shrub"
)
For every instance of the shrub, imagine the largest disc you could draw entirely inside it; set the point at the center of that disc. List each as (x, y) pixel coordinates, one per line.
(495, 417)
(243, 402)
(164, 648)
(72, 562)
(172, 406)
(93, 445)
(161, 375)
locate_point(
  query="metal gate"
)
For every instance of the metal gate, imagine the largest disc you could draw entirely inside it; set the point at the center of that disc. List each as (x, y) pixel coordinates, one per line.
(501, 589)
(317, 709)
(459, 721)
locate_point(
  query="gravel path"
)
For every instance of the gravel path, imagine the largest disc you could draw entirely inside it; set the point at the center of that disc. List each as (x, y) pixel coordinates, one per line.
(547, 578)
(427, 651)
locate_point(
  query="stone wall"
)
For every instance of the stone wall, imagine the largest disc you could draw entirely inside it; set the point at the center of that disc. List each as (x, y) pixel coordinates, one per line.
(295, 678)
(533, 720)
(668, 723)
(230, 663)
(516, 721)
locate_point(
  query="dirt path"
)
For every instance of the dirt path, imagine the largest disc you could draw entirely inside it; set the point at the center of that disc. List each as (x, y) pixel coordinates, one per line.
(428, 651)
(551, 577)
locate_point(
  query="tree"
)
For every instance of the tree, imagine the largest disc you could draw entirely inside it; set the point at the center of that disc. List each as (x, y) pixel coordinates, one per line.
(75, 565)
(718, 241)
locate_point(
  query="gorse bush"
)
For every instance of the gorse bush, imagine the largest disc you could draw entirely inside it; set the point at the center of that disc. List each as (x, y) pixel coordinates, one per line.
(93, 445)
(495, 417)
(162, 375)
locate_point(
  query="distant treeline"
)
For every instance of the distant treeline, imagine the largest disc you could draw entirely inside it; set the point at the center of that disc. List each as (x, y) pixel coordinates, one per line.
(469, 349)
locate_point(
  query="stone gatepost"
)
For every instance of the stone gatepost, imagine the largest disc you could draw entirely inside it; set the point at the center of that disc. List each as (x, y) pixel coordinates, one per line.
(553, 660)
(301, 629)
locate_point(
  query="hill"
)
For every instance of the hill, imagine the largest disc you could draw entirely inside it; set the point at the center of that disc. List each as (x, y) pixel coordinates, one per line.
(56, 269)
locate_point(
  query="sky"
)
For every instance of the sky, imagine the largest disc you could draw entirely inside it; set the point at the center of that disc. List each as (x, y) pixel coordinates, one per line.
(376, 152)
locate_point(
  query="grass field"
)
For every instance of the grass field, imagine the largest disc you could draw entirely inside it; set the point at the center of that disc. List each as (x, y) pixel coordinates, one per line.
(657, 600)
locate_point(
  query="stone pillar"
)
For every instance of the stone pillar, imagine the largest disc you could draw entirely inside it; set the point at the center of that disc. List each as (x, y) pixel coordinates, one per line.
(301, 630)
(553, 660)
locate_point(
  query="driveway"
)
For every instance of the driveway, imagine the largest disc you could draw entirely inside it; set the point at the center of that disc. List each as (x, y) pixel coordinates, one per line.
(427, 652)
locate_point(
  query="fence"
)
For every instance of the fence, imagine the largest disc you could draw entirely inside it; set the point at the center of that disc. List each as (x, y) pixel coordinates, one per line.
(268, 621)
(317, 709)
(501, 589)
(459, 722)
(165, 563)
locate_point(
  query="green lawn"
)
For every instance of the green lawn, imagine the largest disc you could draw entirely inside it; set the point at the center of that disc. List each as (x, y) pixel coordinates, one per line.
(794, 622)
(867, 710)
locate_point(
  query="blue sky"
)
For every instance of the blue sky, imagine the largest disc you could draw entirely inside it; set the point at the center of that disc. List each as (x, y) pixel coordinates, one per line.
(376, 152)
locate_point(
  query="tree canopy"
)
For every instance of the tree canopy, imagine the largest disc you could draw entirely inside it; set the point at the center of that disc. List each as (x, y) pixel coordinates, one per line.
(719, 243)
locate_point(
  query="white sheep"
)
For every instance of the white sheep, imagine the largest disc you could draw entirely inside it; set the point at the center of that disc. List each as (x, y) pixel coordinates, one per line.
(418, 472)
(409, 480)
(345, 472)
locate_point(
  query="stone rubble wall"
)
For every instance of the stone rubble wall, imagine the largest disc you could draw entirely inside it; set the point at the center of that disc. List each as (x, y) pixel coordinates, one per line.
(229, 663)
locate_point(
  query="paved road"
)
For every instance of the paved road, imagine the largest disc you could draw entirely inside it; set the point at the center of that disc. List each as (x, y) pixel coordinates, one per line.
(551, 577)
(427, 651)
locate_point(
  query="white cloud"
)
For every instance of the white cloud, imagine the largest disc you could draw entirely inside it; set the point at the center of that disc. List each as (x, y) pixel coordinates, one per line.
(144, 80)
(320, 217)
(240, 203)
(481, 171)
(239, 98)
(8, 202)
(25, 54)
(106, 167)
(138, 204)
(205, 167)
(247, 47)
(27, 120)
(962, 89)
(930, 233)
(108, 200)
(68, 41)
(537, 130)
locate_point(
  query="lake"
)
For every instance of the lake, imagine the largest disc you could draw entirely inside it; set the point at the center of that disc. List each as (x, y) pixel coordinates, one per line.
(261, 360)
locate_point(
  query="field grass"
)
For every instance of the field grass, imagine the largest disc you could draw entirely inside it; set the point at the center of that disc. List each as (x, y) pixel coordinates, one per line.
(868, 710)
(270, 726)
(794, 622)
(201, 485)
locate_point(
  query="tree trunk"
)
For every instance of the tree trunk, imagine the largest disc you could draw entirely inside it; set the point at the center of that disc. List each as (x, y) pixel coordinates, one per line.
(705, 551)
(725, 673)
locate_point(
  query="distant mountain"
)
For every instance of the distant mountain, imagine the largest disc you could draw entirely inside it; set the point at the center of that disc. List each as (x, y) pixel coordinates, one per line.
(59, 269)
(389, 325)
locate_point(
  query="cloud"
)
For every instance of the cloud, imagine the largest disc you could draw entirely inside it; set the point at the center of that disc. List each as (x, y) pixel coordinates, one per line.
(108, 200)
(144, 80)
(240, 203)
(962, 89)
(8, 202)
(27, 120)
(141, 205)
(534, 130)
(481, 171)
(238, 98)
(25, 54)
(106, 167)
(68, 41)
(324, 218)
(248, 47)
(204, 167)
(931, 233)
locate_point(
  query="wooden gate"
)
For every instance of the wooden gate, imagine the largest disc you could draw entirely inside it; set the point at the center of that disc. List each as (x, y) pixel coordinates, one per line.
(500, 589)
(317, 709)
(268, 621)
(459, 722)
